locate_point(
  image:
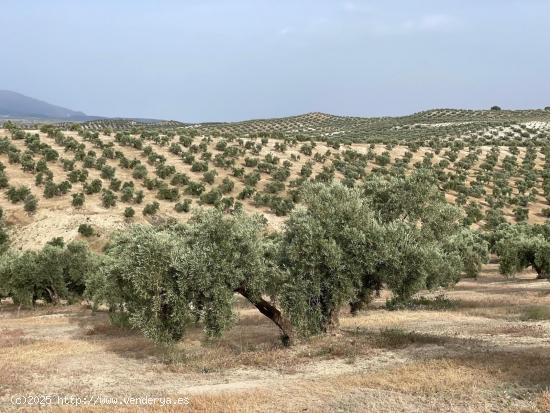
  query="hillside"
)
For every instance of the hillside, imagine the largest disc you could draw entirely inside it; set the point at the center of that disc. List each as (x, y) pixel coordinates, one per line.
(16, 105)
(437, 124)
(484, 161)
(28, 112)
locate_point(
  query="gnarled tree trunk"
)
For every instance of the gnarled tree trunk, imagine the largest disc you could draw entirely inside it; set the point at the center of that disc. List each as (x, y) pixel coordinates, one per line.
(273, 313)
(538, 269)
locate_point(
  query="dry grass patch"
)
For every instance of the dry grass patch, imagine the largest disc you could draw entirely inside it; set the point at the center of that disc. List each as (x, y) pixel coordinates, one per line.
(426, 377)
(375, 321)
(13, 337)
(542, 402)
(345, 345)
(444, 385)
(217, 357)
(126, 409)
(221, 355)
(463, 374)
(398, 338)
(11, 379)
(536, 313)
(43, 352)
(384, 361)
(514, 330)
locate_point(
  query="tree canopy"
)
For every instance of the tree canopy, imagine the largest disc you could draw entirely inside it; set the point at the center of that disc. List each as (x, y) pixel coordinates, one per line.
(338, 249)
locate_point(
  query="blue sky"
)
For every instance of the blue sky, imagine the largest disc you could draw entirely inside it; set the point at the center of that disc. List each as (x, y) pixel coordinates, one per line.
(207, 60)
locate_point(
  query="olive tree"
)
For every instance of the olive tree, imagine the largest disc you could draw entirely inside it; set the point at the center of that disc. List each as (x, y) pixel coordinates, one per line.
(53, 273)
(344, 245)
(326, 250)
(473, 249)
(163, 279)
(340, 247)
(227, 254)
(137, 281)
(427, 224)
(522, 246)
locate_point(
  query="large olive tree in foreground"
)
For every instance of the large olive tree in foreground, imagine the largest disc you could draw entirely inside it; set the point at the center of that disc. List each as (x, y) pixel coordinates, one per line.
(163, 279)
(329, 251)
(339, 248)
(344, 245)
(426, 244)
(140, 286)
(226, 254)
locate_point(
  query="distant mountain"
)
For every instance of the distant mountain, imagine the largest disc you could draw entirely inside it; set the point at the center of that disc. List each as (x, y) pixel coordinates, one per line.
(18, 106)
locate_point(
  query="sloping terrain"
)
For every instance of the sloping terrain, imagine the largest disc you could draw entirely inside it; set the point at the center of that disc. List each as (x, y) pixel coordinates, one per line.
(172, 168)
(16, 105)
(441, 124)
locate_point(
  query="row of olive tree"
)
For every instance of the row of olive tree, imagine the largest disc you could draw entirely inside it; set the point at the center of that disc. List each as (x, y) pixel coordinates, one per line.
(340, 248)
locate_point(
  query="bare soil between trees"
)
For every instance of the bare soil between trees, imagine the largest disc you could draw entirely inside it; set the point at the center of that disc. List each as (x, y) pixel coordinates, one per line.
(485, 347)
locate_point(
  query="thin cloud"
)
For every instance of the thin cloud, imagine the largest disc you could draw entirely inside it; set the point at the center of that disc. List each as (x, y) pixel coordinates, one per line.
(432, 23)
(354, 7)
(285, 31)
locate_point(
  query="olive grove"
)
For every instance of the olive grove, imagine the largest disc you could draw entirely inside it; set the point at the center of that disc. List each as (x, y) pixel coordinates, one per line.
(338, 249)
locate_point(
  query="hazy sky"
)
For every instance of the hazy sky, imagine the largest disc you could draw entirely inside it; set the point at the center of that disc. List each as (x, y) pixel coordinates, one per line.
(197, 60)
